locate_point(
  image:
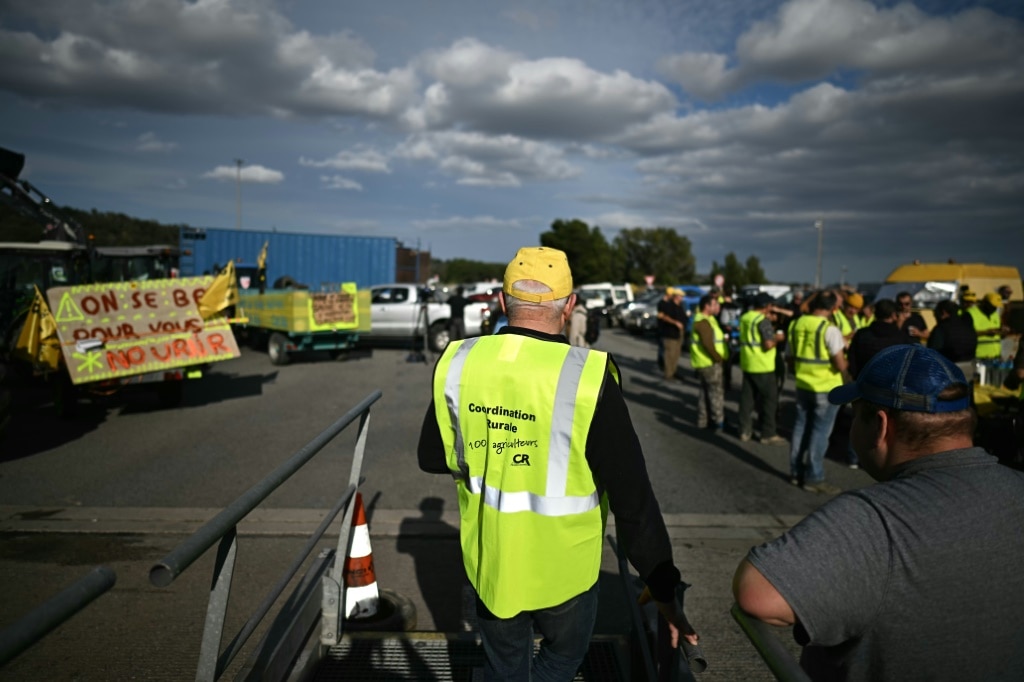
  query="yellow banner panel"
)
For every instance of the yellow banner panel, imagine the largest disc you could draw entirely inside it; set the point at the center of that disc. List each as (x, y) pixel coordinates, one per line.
(121, 329)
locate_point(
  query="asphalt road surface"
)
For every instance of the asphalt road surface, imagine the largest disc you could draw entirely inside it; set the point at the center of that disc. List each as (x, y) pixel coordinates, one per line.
(122, 481)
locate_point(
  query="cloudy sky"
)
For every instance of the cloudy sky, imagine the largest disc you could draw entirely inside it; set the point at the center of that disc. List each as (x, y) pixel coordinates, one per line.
(468, 127)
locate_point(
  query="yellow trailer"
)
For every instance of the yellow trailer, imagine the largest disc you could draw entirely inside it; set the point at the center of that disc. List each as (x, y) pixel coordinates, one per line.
(296, 320)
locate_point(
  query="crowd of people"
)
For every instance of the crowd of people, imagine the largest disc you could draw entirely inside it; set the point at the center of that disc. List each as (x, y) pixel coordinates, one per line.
(915, 577)
(823, 340)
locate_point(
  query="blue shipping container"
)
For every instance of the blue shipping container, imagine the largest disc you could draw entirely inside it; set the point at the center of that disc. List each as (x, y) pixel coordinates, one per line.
(316, 260)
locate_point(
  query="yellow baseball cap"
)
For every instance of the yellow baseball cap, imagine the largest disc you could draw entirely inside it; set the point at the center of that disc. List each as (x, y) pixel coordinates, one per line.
(855, 300)
(969, 296)
(540, 264)
(994, 298)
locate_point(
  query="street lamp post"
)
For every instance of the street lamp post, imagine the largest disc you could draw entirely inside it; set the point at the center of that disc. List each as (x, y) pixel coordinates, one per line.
(238, 192)
(819, 225)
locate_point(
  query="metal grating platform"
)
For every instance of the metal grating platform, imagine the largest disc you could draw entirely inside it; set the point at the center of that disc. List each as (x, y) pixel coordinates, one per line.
(437, 656)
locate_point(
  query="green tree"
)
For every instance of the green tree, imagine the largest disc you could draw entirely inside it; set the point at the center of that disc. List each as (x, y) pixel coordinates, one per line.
(659, 251)
(755, 274)
(459, 270)
(716, 269)
(735, 273)
(589, 254)
(103, 228)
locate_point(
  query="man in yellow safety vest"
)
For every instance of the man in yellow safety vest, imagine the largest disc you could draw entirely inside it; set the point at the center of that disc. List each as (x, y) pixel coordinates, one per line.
(816, 355)
(757, 360)
(538, 438)
(708, 353)
(988, 325)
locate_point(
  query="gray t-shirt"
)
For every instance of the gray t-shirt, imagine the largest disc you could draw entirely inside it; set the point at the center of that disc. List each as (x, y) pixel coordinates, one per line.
(917, 578)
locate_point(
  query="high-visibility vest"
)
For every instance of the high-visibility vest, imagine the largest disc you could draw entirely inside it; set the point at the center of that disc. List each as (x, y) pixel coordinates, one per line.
(861, 321)
(814, 371)
(989, 345)
(699, 357)
(514, 414)
(754, 359)
(840, 320)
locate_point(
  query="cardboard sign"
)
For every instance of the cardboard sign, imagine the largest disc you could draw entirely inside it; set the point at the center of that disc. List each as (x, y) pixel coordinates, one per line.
(121, 329)
(334, 308)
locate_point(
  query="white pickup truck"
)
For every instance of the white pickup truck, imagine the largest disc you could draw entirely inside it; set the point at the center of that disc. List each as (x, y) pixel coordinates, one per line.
(408, 311)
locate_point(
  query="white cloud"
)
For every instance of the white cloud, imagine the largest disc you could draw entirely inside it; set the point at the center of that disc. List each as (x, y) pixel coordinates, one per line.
(488, 160)
(366, 160)
(254, 174)
(339, 182)
(809, 39)
(493, 90)
(209, 57)
(150, 142)
(458, 223)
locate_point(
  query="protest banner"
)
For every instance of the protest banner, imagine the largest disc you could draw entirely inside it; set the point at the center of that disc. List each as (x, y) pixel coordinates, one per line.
(121, 329)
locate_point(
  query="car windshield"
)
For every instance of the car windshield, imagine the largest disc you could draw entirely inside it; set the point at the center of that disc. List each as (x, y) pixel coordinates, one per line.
(924, 294)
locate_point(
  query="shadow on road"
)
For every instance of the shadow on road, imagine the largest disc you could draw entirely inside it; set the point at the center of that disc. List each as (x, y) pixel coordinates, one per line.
(36, 427)
(679, 412)
(434, 547)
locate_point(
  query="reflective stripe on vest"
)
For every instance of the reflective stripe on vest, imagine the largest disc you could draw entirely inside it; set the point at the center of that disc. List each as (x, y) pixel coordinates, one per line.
(989, 345)
(753, 358)
(814, 371)
(532, 518)
(699, 357)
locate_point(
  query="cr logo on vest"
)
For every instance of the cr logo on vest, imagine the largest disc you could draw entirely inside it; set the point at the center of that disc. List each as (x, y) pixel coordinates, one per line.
(521, 460)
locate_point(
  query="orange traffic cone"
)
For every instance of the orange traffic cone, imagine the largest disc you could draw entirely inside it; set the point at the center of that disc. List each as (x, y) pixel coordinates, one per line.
(362, 598)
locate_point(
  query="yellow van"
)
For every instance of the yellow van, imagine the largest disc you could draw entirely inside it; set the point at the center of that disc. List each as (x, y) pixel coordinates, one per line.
(929, 283)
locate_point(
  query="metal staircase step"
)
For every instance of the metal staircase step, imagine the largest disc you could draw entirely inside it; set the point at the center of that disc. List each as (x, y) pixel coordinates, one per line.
(442, 656)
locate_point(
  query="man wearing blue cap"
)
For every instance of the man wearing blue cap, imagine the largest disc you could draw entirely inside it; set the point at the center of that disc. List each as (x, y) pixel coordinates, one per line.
(919, 576)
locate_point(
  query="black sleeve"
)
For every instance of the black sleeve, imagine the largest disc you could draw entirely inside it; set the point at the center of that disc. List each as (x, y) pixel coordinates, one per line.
(852, 365)
(617, 460)
(430, 451)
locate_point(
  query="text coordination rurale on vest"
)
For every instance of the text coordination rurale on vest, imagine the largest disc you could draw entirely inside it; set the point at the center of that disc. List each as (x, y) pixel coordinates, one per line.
(499, 411)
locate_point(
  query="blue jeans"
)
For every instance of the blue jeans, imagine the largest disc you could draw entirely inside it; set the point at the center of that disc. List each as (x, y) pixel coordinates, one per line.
(815, 417)
(508, 642)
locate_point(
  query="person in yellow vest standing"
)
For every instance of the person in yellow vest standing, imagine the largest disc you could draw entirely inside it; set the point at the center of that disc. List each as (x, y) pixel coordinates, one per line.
(987, 323)
(538, 438)
(839, 318)
(851, 306)
(708, 353)
(816, 355)
(757, 360)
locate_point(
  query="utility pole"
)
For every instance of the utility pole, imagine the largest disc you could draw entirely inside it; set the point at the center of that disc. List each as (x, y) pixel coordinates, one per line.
(819, 225)
(238, 192)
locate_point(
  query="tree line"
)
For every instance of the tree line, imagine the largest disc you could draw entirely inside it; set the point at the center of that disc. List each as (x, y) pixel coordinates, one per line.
(102, 228)
(632, 255)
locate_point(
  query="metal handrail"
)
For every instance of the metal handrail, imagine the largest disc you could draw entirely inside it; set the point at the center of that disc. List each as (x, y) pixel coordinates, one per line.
(223, 528)
(181, 557)
(667, 663)
(268, 601)
(778, 658)
(634, 611)
(40, 621)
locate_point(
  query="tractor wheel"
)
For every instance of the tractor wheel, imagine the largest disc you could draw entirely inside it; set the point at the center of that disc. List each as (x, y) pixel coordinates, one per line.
(437, 336)
(277, 349)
